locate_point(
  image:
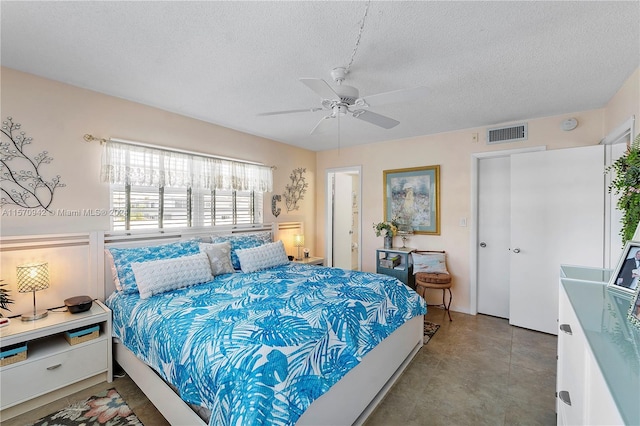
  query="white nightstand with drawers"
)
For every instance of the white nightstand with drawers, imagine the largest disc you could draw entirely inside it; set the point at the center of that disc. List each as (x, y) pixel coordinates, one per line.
(54, 367)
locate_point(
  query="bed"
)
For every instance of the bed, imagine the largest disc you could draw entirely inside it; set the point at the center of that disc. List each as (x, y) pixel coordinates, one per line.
(274, 343)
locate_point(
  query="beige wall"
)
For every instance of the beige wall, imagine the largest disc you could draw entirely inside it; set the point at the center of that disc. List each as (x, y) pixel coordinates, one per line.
(624, 104)
(57, 116)
(453, 151)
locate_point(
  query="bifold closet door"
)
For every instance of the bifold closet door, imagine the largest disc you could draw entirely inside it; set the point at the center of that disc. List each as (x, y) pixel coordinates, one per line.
(557, 217)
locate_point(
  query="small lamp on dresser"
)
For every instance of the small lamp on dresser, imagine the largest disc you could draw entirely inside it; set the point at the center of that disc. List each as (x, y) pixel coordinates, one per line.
(298, 241)
(33, 277)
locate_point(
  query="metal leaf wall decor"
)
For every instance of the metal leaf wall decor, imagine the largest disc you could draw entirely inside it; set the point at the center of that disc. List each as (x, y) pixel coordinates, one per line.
(275, 210)
(21, 179)
(295, 191)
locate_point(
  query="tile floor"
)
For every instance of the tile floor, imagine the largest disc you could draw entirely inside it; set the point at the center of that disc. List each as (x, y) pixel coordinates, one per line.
(477, 370)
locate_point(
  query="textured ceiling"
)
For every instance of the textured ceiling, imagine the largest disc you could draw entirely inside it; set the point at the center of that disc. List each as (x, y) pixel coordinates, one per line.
(225, 62)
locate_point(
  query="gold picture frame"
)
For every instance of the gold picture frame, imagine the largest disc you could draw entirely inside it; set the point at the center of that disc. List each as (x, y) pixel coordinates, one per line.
(412, 196)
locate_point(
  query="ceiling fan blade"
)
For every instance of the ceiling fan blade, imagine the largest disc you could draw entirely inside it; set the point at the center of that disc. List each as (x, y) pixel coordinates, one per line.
(321, 88)
(396, 96)
(291, 111)
(377, 119)
(317, 126)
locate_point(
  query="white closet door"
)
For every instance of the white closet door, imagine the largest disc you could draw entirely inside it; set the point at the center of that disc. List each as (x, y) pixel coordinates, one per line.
(557, 217)
(494, 235)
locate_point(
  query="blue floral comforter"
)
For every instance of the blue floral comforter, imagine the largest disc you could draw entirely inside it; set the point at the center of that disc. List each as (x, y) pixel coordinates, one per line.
(259, 348)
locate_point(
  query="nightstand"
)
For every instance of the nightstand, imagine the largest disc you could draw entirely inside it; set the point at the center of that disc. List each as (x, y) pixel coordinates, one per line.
(54, 367)
(401, 269)
(311, 260)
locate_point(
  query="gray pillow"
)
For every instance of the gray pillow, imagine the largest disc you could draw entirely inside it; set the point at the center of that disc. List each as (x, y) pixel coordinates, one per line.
(219, 257)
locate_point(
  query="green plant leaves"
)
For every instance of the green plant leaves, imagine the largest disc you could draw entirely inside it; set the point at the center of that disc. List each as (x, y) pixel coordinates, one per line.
(626, 184)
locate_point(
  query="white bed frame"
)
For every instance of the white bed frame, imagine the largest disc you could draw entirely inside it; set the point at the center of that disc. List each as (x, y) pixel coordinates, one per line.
(350, 401)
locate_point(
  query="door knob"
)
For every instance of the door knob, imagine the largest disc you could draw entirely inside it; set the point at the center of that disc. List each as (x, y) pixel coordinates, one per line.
(516, 250)
(483, 244)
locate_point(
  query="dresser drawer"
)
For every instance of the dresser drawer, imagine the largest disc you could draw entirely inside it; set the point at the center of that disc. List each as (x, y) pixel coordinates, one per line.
(27, 379)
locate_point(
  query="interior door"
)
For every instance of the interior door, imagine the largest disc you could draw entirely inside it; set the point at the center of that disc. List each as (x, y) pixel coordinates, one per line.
(342, 221)
(557, 217)
(343, 238)
(494, 232)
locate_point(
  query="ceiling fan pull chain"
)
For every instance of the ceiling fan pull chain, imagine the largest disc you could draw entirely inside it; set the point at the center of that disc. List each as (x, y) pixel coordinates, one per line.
(355, 49)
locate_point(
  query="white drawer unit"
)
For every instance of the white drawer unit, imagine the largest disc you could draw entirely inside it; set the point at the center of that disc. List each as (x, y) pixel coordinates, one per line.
(598, 365)
(53, 364)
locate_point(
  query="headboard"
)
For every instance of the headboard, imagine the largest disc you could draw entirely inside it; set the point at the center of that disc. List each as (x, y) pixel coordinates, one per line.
(77, 262)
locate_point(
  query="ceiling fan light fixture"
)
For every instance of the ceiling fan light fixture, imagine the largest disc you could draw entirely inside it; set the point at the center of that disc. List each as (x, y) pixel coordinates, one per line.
(340, 110)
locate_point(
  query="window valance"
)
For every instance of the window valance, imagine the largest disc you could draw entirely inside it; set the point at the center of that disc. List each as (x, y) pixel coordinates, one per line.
(140, 165)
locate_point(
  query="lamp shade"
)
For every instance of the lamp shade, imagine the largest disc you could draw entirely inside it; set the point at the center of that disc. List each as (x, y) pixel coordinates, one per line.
(33, 277)
(298, 241)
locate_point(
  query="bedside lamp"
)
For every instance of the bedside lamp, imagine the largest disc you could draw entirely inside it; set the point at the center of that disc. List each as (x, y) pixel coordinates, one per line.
(31, 278)
(404, 231)
(298, 241)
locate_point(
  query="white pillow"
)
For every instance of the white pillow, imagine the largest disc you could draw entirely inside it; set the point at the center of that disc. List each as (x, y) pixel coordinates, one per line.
(262, 257)
(432, 263)
(159, 276)
(219, 257)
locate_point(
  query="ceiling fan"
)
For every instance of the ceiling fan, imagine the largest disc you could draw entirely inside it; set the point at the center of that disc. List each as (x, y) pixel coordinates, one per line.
(343, 99)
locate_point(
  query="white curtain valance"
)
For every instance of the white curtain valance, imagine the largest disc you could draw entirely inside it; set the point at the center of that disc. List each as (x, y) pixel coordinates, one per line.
(139, 165)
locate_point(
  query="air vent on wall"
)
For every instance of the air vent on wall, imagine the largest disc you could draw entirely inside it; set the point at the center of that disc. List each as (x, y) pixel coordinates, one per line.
(513, 133)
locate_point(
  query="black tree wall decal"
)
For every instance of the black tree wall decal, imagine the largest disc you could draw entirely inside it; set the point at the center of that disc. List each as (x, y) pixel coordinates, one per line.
(21, 180)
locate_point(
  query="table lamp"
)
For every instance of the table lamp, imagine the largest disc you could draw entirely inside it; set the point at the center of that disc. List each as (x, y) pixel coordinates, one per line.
(31, 278)
(404, 231)
(298, 241)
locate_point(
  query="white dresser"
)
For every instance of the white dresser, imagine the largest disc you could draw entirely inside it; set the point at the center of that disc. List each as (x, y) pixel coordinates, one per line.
(598, 378)
(54, 367)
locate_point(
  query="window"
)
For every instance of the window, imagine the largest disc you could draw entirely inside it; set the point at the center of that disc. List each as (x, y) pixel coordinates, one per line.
(155, 188)
(153, 208)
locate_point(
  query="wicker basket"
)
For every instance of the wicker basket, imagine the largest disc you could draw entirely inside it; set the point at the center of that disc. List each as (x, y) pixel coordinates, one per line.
(76, 337)
(12, 359)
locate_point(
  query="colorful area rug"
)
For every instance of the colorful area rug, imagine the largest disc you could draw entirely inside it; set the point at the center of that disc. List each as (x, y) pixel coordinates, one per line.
(107, 408)
(430, 329)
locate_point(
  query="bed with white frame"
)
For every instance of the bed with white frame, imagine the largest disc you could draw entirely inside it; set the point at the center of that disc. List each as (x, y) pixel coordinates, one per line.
(350, 401)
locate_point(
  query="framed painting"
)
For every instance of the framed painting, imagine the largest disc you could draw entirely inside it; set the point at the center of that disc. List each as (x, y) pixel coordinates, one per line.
(412, 197)
(626, 275)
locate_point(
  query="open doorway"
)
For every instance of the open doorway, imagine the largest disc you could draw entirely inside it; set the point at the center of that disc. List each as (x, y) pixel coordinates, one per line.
(343, 218)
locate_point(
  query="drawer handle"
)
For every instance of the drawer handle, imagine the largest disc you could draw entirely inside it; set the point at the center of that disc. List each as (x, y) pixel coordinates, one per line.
(564, 397)
(566, 328)
(53, 367)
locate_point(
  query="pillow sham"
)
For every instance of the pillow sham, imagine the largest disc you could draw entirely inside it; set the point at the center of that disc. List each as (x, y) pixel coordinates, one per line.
(432, 263)
(262, 257)
(242, 241)
(219, 256)
(160, 276)
(125, 280)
